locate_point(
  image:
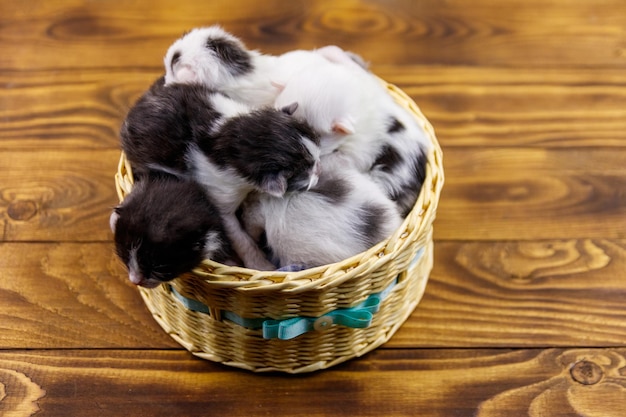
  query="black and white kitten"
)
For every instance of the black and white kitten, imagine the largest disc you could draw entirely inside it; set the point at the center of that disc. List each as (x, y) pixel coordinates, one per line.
(165, 121)
(166, 227)
(360, 124)
(219, 60)
(344, 214)
(188, 129)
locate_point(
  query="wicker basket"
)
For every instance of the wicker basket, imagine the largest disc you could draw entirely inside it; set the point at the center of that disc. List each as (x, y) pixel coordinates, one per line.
(308, 320)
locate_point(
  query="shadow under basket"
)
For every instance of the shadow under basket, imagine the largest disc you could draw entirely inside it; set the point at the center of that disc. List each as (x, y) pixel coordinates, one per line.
(308, 320)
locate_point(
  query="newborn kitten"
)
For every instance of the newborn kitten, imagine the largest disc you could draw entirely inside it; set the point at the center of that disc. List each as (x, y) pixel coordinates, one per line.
(162, 124)
(264, 151)
(165, 227)
(220, 61)
(344, 214)
(190, 130)
(360, 124)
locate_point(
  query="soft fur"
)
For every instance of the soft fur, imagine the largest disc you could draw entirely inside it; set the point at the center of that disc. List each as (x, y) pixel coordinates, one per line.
(165, 227)
(217, 59)
(189, 130)
(361, 125)
(220, 61)
(247, 125)
(165, 121)
(344, 214)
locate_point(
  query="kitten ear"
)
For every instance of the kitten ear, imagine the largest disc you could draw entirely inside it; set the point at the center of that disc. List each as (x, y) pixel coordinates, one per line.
(279, 85)
(333, 53)
(337, 55)
(342, 126)
(290, 109)
(275, 185)
(115, 215)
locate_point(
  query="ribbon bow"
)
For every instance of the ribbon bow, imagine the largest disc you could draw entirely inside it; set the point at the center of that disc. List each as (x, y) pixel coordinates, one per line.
(357, 317)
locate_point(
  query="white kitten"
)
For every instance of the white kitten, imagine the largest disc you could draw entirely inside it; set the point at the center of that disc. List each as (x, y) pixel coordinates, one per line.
(360, 124)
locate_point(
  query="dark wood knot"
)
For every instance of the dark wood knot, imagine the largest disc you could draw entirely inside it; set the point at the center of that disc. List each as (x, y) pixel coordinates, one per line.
(586, 372)
(22, 210)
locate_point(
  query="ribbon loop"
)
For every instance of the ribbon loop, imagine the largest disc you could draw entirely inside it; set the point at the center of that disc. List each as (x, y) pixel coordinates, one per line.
(286, 329)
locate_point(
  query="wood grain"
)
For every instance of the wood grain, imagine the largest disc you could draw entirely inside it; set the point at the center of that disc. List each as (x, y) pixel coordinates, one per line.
(71, 295)
(515, 33)
(480, 294)
(524, 311)
(529, 107)
(492, 193)
(513, 193)
(516, 294)
(57, 195)
(386, 382)
(66, 109)
(468, 106)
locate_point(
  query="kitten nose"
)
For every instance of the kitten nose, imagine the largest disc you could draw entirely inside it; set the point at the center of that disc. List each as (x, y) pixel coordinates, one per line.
(186, 73)
(135, 277)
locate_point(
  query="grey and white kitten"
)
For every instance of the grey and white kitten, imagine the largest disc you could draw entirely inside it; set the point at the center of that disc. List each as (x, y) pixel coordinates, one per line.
(344, 214)
(190, 130)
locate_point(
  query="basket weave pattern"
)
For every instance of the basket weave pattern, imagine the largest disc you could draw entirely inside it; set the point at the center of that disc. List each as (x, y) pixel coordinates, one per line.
(401, 264)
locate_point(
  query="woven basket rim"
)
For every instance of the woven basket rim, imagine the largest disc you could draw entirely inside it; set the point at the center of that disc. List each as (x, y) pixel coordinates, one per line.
(419, 218)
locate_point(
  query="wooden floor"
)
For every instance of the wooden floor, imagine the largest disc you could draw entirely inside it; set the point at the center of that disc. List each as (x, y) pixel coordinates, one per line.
(525, 310)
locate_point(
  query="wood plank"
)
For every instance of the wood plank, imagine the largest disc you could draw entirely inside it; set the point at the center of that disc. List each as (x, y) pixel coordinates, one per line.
(483, 383)
(522, 294)
(480, 294)
(516, 33)
(71, 295)
(57, 195)
(486, 106)
(515, 193)
(490, 194)
(67, 109)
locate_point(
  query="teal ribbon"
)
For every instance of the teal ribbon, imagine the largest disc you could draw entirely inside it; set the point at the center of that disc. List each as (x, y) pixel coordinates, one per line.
(189, 303)
(357, 317)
